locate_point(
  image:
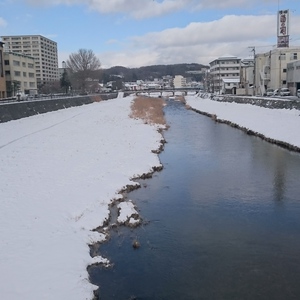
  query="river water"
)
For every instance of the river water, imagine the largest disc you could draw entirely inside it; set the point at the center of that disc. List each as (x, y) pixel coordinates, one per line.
(221, 220)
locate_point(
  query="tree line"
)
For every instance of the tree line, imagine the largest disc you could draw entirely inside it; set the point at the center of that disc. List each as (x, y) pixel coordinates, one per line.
(82, 73)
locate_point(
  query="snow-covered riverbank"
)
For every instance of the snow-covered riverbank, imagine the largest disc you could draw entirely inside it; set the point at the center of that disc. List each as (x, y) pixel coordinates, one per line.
(59, 172)
(274, 124)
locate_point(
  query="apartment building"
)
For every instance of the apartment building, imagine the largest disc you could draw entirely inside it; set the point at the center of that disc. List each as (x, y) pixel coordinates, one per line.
(293, 76)
(271, 68)
(42, 49)
(2, 78)
(19, 74)
(179, 81)
(225, 68)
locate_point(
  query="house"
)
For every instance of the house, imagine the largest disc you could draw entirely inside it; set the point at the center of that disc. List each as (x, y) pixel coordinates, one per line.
(230, 85)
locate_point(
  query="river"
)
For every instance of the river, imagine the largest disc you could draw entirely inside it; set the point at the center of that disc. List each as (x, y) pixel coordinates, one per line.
(220, 221)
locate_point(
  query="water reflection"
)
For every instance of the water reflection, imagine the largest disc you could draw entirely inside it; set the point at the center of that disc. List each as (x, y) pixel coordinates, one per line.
(216, 230)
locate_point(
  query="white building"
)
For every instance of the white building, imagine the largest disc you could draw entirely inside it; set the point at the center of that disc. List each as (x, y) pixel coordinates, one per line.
(271, 68)
(2, 77)
(42, 49)
(19, 74)
(179, 81)
(247, 72)
(230, 85)
(293, 76)
(225, 67)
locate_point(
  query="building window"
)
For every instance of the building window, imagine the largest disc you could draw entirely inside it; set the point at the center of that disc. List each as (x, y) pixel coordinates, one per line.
(284, 70)
(23, 64)
(294, 56)
(16, 63)
(24, 74)
(281, 56)
(31, 75)
(17, 73)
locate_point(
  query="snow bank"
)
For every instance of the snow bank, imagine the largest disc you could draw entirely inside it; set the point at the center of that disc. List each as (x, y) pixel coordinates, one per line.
(278, 124)
(128, 213)
(59, 172)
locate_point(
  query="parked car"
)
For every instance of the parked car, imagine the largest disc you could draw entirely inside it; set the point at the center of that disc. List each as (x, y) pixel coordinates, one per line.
(298, 93)
(276, 92)
(284, 92)
(21, 96)
(269, 92)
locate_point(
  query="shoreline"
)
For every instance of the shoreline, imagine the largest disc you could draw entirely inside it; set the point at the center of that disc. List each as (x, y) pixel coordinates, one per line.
(249, 131)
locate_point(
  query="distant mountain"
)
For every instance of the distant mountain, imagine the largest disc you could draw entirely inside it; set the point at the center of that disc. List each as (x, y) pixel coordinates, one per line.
(152, 72)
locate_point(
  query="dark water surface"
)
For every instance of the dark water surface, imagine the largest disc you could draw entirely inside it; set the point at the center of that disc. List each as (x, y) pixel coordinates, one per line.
(224, 220)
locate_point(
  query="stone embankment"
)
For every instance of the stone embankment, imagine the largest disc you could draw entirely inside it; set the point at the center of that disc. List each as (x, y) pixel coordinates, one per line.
(263, 102)
(18, 110)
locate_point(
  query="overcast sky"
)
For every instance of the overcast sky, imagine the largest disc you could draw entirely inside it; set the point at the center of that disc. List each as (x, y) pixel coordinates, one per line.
(134, 33)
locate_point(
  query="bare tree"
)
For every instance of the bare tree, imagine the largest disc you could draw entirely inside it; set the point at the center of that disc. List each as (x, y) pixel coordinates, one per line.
(84, 66)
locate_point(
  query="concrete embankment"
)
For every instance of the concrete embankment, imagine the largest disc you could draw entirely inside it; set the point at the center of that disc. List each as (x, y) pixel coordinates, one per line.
(18, 110)
(262, 102)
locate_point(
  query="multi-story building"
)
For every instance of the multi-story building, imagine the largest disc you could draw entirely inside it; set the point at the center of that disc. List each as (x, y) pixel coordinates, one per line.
(19, 74)
(2, 78)
(42, 49)
(225, 67)
(179, 81)
(271, 68)
(293, 76)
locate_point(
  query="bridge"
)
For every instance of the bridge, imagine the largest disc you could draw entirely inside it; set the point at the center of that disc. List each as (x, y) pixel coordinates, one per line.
(184, 91)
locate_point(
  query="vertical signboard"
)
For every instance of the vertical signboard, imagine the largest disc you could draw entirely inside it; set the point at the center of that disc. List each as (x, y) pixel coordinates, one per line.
(283, 28)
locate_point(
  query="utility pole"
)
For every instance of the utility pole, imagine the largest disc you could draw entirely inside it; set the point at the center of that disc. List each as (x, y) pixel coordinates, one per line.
(254, 74)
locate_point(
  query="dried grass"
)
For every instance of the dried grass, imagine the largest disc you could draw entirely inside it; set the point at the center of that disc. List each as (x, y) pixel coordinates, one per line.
(149, 109)
(96, 98)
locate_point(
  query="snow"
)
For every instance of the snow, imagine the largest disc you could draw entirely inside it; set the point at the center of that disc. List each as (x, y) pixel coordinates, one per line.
(61, 170)
(126, 211)
(278, 124)
(59, 173)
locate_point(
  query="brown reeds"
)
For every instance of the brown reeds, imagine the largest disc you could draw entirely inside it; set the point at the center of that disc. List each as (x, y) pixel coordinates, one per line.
(96, 98)
(149, 109)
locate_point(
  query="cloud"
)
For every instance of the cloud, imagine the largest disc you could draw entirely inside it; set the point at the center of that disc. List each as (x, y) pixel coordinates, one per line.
(228, 29)
(199, 42)
(112, 41)
(3, 23)
(127, 58)
(141, 9)
(138, 9)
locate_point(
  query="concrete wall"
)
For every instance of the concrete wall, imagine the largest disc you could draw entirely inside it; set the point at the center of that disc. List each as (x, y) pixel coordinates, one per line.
(18, 110)
(263, 102)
